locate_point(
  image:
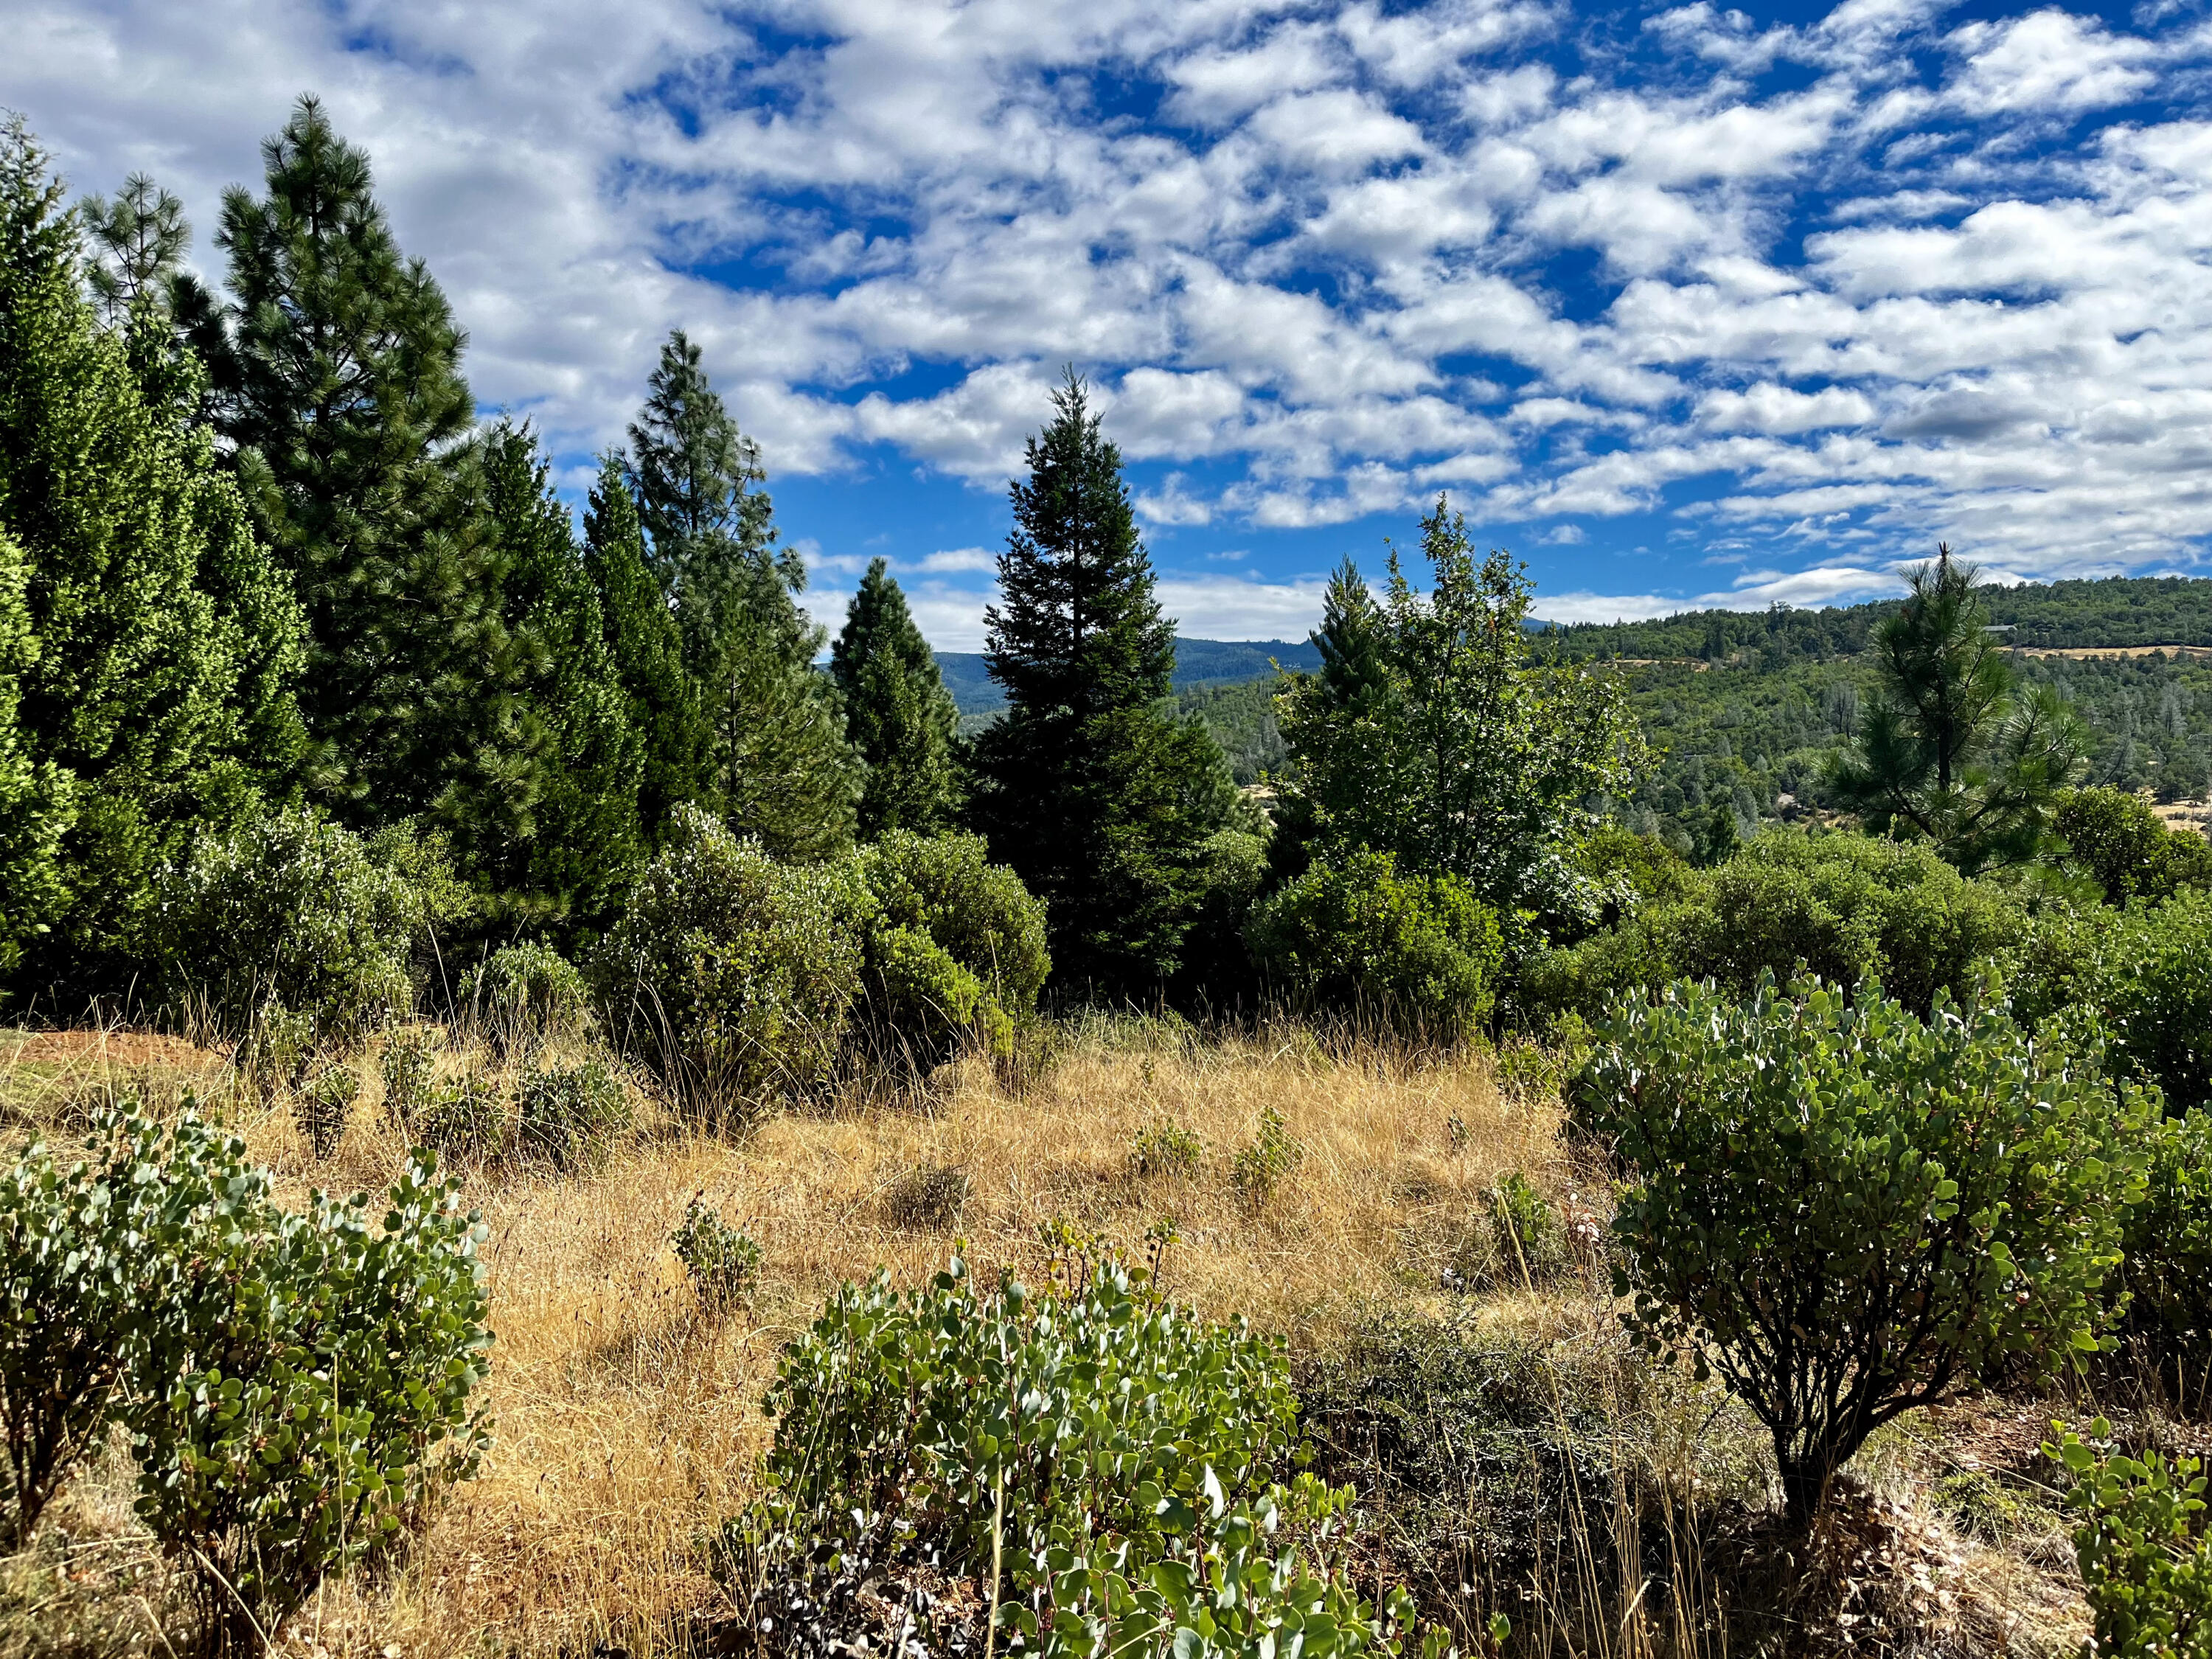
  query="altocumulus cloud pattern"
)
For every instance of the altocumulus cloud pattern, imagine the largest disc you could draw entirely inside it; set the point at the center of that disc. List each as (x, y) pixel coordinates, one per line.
(1688, 305)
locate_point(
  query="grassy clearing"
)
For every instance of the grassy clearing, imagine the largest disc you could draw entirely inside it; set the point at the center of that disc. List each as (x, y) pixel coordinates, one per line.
(1512, 1453)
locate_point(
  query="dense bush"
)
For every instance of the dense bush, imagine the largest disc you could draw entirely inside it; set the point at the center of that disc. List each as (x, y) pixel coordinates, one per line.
(570, 1115)
(734, 975)
(721, 1261)
(2144, 1548)
(295, 908)
(526, 994)
(923, 1004)
(92, 1255)
(2147, 972)
(409, 1063)
(325, 1107)
(1846, 1212)
(944, 888)
(462, 1118)
(1840, 907)
(2126, 848)
(312, 1396)
(1265, 1162)
(1420, 952)
(2167, 1242)
(1113, 1458)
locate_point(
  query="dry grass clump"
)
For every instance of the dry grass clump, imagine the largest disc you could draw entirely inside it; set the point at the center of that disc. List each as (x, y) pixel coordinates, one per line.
(627, 1414)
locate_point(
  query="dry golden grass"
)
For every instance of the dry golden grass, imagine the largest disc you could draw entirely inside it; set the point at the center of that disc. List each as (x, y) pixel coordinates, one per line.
(628, 1418)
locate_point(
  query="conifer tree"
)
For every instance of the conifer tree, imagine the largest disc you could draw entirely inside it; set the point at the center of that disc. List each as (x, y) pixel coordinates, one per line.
(900, 718)
(1947, 752)
(1102, 802)
(778, 766)
(154, 647)
(343, 391)
(648, 655)
(552, 826)
(1347, 703)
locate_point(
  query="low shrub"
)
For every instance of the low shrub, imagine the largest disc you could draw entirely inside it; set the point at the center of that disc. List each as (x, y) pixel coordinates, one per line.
(2166, 1241)
(2148, 972)
(295, 908)
(278, 1051)
(410, 1066)
(325, 1107)
(929, 1196)
(1847, 1211)
(570, 1115)
(979, 913)
(1107, 1464)
(2116, 837)
(733, 975)
(94, 1255)
(1165, 1148)
(1419, 952)
(923, 1005)
(721, 1262)
(463, 1117)
(2144, 1547)
(1525, 1231)
(312, 1398)
(523, 995)
(1263, 1164)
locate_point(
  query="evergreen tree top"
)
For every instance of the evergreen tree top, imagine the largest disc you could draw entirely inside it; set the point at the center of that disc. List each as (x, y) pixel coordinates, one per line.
(877, 624)
(1078, 630)
(695, 476)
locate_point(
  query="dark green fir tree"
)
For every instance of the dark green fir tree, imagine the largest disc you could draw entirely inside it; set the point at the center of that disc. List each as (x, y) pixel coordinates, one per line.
(147, 645)
(1102, 801)
(898, 714)
(778, 766)
(1351, 698)
(647, 654)
(341, 374)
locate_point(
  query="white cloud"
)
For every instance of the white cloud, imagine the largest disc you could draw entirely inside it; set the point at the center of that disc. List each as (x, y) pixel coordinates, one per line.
(2047, 63)
(1225, 608)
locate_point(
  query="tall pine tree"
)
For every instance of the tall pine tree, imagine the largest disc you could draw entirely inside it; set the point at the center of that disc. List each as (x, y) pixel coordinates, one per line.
(898, 714)
(341, 374)
(778, 766)
(1101, 800)
(647, 654)
(148, 644)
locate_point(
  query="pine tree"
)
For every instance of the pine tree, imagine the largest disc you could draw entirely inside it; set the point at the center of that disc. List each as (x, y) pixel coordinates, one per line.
(1946, 750)
(553, 827)
(1102, 802)
(1346, 706)
(140, 238)
(343, 391)
(647, 654)
(778, 766)
(153, 650)
(898, 714)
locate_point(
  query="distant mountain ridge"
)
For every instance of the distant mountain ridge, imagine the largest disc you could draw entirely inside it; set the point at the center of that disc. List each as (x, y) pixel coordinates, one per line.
(1198, 663)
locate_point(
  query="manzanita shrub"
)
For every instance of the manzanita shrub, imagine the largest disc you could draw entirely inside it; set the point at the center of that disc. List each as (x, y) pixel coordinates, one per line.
(1109, 1465)
(2144, 1544)
(1847, 1211)
(310, 1394)
(2167, 1243)
(524, 994)
(93, 1253)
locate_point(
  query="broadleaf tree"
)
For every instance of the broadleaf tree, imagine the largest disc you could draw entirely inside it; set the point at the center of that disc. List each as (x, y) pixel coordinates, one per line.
(901, 721)
(1100, 800)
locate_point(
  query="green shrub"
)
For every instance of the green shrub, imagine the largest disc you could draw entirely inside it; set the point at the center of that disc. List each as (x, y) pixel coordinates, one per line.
(2125, 846)
(1165, 1149)
(2147, 971)
(1271, 1156)
(945, 888)
(524, 994)
(733, 975)
(314, 1397)
(325, 1107)
(721, 1262)
(1525, 1230)
(921, 1003)
(278, 1048)
(410, 1066)
(465, 1117)
(570, 1115)
(2144, 1549)
(92, 1257)
(295, 908)
(1846, 1212)
(2167, 1243)
(1420, 952)
(1106, 1463)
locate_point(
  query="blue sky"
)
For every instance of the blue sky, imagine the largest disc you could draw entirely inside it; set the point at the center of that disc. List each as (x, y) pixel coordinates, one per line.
(1684, 304)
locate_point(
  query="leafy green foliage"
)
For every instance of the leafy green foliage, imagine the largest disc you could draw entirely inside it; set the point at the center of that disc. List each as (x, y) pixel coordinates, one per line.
(2119, 840)
(897, 713)
(1098, 799)
(1165, 1148)
(1265, 1162)
(94, 1254)
(1435, 734)
(721, 1261)
(2167, 1243)
(734, 975)
(409, 1064)
(1945, 751)
(325, 1107)
(922, 1000)
(295, 907)
(1847, 1211)
(1525, 1230)
(570, 1115)
(2144, 1548)
(1107, 1462)
(147, 646)
(978, 912)
(313, 1399)
(463, 1118)
(527, 994)
(2147, 971)
(1420, 953)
